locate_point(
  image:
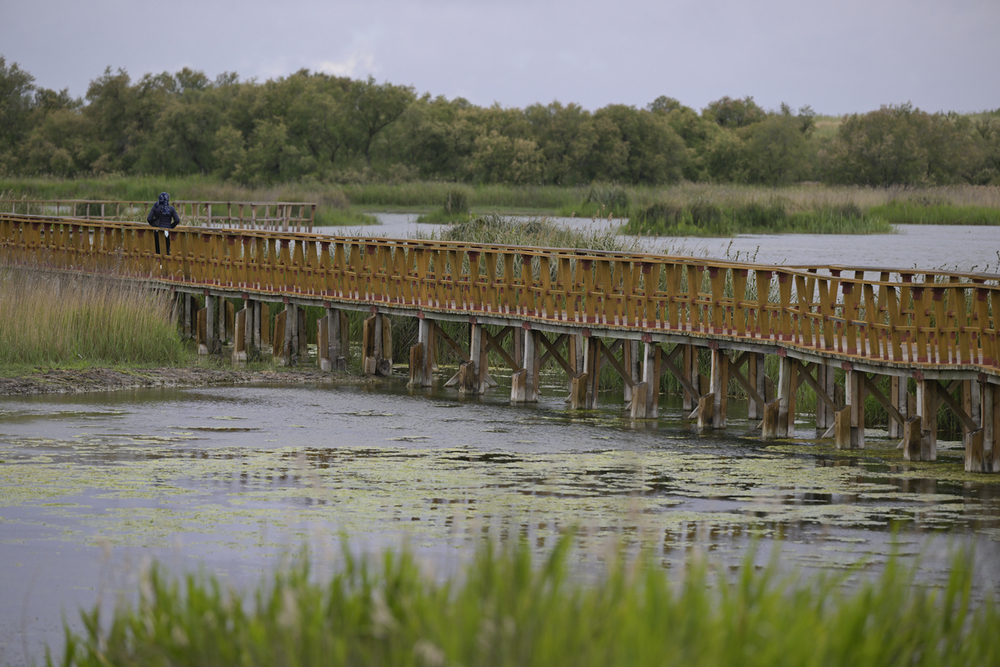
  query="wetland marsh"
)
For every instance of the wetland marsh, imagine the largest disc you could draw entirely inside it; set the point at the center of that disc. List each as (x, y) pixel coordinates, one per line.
(234, 480)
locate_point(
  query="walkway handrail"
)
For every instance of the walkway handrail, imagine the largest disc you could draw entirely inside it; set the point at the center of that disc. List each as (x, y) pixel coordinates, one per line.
(918, 319)
(282, 215)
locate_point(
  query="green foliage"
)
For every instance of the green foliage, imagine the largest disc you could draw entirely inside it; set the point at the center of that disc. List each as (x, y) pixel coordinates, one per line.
(456, 208)
(16, 87)
(713, 218)
(734, 114)
(495, 229)
(901, 145)
(608, 198)
(510, 608)
(313, 126)
(915, 212)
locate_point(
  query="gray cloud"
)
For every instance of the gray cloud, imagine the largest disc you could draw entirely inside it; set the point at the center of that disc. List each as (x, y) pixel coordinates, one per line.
(838, 57)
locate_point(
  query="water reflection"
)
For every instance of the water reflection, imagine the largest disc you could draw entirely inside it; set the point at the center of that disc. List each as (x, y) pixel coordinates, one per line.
(233, 478)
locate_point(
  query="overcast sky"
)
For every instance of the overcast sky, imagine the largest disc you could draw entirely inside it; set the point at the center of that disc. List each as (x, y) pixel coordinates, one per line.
(838, 56)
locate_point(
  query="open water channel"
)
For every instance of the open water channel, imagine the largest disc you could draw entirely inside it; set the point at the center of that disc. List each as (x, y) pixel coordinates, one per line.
(234, 480)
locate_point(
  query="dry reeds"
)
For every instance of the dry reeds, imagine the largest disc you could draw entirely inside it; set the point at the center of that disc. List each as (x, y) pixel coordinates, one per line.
(58, 319)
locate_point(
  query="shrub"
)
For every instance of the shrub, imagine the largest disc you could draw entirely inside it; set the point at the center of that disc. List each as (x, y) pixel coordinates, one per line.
(613, 197)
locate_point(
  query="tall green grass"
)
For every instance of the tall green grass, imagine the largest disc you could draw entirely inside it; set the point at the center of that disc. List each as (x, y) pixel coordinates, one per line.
(508, 608)
(47, 319)
(707, 218)
(344, 202)
(916, 212)
(496, 229)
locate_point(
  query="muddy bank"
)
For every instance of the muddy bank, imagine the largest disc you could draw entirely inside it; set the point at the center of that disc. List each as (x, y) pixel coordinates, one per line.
(53, 381)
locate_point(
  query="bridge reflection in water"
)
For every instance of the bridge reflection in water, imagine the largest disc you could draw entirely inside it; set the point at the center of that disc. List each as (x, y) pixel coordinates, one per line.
(835, 329)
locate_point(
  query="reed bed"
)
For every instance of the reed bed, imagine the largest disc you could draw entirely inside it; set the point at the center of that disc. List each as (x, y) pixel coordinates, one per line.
(510, 608)
(47, 319)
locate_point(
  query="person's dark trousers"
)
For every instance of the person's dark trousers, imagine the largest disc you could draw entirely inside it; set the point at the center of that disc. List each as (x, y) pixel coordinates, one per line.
(156, 240)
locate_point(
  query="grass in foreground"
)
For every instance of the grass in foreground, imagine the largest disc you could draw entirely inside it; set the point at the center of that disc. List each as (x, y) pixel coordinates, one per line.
(58, 320)
(507, 609)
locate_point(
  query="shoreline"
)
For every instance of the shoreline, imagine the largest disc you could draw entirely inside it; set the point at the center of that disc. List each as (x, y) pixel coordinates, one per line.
(89, 380)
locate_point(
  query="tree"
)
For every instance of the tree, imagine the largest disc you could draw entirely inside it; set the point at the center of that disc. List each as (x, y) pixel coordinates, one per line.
(565, 136)
(497, 158)
(880, 148)
(777, 151)
(16, 103)
(654, 152)
(734, 114)
(375, 106)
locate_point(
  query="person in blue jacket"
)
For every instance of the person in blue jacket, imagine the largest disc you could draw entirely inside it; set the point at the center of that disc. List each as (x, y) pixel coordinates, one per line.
(163, 216)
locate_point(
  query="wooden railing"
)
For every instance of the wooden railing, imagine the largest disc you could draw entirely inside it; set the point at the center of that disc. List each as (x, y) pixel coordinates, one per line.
(276, 216)
(886, 316)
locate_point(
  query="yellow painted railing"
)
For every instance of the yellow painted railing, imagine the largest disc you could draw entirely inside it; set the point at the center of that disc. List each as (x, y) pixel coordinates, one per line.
(283, 216)
(905, 317)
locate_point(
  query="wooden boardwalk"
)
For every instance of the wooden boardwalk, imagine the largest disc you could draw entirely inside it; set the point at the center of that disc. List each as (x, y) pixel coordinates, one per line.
(835, 329)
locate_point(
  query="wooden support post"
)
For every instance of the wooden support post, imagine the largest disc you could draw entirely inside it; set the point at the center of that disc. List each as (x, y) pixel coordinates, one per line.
(517, 344)
(524, 382)
(385, 363)
(338, 337)
(757, 378)
(692, 374)
(706, 408)
(991, 426)
(278, 338)
(824, 413)
(479, 358)
(578, 391)
(842, 433)
(286, 356)
(980, 446)
(239, 338)
(972, 403)
(854, 391)
(416, 366)
(772, 409)
(377, 342)
(518, 386)
(895, 429)
(911, 439)
(974, 451)
(592, 369)
(786, 396)
(186, 313)
(467, 378)
(260, 312)
(230, 322)
(638, 408)
(719, 385)
(651, 353)
(831, 388)
(420, 360)
(927, 407)
(302, 334)
(201, 331)
(249, 325)
(575, 351)
(532, 363)
(632, 364)
(323, 344)
(211, 328)
(377, 346)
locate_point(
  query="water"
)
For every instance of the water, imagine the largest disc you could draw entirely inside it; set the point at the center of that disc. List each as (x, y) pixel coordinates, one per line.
(927, 247)
(233, 480)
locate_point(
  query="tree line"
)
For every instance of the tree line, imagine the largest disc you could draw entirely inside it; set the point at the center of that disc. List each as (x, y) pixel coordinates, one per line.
(311, 125)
